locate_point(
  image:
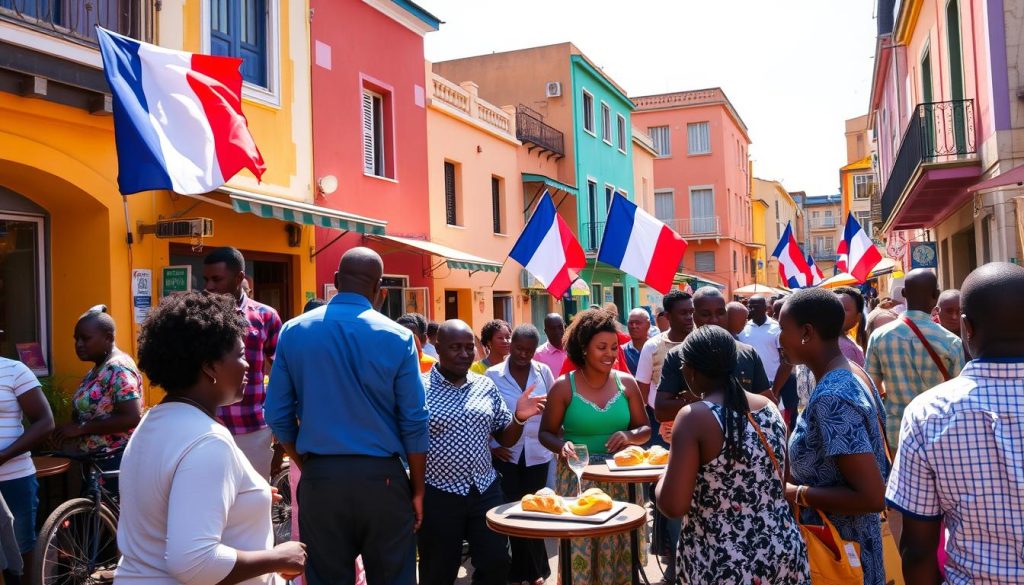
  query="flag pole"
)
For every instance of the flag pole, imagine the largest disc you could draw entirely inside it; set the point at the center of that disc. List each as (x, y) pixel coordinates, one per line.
(596, 256)
(502, 267)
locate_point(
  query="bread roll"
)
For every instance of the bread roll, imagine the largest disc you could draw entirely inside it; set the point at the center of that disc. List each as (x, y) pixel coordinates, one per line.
(630, 456)
(657, 455)
(591, 502)
(544, 501)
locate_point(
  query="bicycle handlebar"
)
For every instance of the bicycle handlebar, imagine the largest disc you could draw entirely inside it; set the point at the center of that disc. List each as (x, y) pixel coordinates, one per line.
(84, 456)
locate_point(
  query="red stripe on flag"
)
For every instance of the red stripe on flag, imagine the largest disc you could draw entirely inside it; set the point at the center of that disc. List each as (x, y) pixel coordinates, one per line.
(575, 258)
(668, 252)
(217, 82)
(560, 284)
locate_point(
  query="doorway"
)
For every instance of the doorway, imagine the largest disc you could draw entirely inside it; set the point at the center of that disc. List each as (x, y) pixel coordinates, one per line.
(956, 75)
(451, 304)
(619, 298)
(965, 256)
(269, 275)
(503, 307)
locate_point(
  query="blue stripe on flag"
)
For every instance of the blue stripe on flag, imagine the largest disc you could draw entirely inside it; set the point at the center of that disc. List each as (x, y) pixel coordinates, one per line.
(139, 164)
(783, 241)
(617, 230)
(536, 229)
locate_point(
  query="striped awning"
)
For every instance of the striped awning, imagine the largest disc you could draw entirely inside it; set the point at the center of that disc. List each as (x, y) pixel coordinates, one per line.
(455, 259)
(549, 182)
(302, 213)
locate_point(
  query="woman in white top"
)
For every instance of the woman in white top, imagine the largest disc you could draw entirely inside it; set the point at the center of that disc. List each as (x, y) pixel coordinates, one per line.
(193, 510)
(523, 466)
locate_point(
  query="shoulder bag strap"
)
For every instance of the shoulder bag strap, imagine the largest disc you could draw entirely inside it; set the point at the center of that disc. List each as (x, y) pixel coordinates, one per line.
(927, 346)
(768, 447)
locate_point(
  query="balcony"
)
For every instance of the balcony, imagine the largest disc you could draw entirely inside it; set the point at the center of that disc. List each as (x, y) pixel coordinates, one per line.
(532, 131)
(696, 228)
(590, 236)
(76, 20)
(823, 254)
(936, 162)
(822, 223)
(464, 99)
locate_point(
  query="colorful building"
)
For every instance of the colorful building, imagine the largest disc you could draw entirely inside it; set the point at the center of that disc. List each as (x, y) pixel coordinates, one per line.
(571, 114)
(857, 178)
(476, 203)
(64, 234)
(780, 210)
(947, 117)
(370, 142)
(643, 195)
(702, 181)
(823, 224)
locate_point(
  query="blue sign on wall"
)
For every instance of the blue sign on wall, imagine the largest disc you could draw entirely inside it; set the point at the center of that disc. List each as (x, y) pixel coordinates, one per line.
(922, 255)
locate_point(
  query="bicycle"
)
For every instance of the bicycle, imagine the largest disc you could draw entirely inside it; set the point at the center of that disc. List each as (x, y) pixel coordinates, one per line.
(78, 542)
(281, 512)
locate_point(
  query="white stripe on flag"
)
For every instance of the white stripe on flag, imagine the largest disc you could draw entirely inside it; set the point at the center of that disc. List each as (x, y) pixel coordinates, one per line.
(859, 244)
(549, 258)
(186, 139)
(642, 242)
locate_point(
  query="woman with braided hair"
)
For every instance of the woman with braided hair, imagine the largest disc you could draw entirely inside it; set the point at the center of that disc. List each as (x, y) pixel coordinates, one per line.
(725, 476)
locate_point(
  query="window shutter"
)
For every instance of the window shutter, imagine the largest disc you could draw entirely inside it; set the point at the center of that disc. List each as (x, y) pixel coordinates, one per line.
(449, 194)
(664, 206)
(496, 204)
(704, 261)
(369, 138)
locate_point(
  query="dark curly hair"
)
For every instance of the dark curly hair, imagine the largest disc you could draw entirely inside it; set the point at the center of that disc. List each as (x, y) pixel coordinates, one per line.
(185, 332)
(584, 327)
(490, 328)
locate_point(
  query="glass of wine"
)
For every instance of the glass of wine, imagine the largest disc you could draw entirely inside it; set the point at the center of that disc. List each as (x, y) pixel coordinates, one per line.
(577, 465)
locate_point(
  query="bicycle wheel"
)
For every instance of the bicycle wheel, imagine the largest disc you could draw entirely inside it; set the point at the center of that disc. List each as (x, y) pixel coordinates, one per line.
(281, 512)
(75, 547)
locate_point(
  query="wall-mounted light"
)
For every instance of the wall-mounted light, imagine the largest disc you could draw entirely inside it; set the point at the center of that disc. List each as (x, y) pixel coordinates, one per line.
(327, 184)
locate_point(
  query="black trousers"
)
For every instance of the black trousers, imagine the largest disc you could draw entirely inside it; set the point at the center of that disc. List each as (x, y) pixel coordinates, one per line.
(351, 506)
(448, 520)
(529, 556)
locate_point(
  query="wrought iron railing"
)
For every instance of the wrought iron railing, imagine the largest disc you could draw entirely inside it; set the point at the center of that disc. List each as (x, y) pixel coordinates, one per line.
(696, 226)
(76, 20)
(591, 235)
(822, 223)
(530, 127)
(938, 132)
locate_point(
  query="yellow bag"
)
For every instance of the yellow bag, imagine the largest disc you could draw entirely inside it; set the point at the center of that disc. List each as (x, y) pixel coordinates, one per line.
(833, 561)
(891, 556)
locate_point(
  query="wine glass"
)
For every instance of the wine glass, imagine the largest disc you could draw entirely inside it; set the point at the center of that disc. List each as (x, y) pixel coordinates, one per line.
(578, 463)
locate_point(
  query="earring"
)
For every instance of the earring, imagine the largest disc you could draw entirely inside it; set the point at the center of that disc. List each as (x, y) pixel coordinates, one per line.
(803, 341)
(212, 379)
(584, 354)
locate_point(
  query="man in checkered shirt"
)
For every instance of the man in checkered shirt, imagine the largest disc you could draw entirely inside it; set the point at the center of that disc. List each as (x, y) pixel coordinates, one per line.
(961, 456)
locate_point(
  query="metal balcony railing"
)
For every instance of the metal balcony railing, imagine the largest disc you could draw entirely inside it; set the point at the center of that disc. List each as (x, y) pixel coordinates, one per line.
(822, 223)
(938, 132)
(76, 20)
(591, 235)
(823, 254)
(531, 129)
(696, 226)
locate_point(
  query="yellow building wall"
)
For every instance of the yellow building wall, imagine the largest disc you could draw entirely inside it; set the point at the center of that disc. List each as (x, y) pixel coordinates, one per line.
(758, 210)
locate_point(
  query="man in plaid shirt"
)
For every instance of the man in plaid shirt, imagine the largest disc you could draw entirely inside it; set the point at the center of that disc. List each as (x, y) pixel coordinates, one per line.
(961, 457)
(224, 273)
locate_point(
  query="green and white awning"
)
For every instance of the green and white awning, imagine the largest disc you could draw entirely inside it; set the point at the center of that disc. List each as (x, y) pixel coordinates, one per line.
(455, 259)
(302, 213)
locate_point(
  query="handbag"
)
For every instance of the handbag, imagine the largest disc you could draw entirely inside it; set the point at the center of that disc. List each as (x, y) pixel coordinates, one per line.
(833, 561)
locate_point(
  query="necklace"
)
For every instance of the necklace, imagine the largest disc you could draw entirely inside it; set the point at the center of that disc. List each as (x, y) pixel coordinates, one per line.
(592, 386)
(189, 401)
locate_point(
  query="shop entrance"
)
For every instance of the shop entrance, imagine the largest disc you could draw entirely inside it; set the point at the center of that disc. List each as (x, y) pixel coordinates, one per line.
(269, 275)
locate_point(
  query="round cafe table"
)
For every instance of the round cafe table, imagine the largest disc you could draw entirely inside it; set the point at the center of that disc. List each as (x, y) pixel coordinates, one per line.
(600, 472)
(631, 518)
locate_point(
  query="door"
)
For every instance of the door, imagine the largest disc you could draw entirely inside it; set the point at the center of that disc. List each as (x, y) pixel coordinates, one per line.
(956, 76)
(702, 209)
(451, 304)
(270, 285)
(503, 307)
(268, 275)
(926, 99)
(619, 298)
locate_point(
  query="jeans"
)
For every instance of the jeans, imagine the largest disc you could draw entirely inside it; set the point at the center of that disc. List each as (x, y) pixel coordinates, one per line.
(22, 497)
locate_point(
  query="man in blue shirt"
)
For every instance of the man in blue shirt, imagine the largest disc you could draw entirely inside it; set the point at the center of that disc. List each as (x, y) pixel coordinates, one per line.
(638, 324)
(347, 404)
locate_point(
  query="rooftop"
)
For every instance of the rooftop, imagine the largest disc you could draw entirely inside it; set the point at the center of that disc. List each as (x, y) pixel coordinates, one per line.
(822, 200)
(688, 99)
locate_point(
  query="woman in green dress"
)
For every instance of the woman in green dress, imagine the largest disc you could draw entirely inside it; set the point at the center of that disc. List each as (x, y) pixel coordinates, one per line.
(602, 409)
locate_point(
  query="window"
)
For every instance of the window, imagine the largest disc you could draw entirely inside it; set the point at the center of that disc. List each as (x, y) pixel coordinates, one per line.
(776, 209)
(374, 142)
(503, 306)
(734, 260)
(592, 231)
(660, 136)
(238, 28)
(497, 204)
(664, 205)
(862, 186)
(819, 245)
(864, 219)
(698, 138)
(830, 246)
(588, 112)
(451, 194)
(621, 132)
(23, 314)
(704, 261)
(702, 211)
(400, 298)
(596, 294)
(609, 194)
(606, 123)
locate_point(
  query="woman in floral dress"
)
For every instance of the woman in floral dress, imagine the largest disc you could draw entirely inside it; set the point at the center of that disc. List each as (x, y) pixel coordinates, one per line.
(725, 476)
(108, 403)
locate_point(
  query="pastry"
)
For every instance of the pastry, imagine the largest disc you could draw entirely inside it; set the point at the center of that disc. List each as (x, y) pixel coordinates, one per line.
(629, 456)
(657, 455)
(545, 501)
(591, 502)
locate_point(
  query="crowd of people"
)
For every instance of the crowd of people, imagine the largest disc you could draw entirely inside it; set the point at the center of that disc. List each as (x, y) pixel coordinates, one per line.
(821, 410)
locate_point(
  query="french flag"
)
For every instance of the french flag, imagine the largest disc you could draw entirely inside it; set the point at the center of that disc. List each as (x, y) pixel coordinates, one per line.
(843, 251)
(548, 250)
(793, 266)
(816, 276)
(861, 255)
(636, 243)
(178, 119)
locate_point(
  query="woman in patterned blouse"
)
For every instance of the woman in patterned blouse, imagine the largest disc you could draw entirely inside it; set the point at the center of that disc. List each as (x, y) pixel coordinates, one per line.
(108, 403)
(837, 452)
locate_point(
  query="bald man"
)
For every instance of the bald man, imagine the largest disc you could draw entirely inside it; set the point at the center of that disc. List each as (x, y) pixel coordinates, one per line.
(960, 457)
(900, 358)
(736, 317)
(347, 403)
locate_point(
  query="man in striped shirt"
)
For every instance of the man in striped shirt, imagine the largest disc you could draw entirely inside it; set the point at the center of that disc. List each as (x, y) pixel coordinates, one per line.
(961, 457)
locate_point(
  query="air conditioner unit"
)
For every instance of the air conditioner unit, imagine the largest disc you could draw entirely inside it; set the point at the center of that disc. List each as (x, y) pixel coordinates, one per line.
(194, 227)
(553, 89)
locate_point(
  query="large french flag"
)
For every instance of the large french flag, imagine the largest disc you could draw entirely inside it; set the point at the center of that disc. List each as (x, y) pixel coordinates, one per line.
(793, 266)
(548, 250)
(861, 254)
(636, 243)
(178, 119)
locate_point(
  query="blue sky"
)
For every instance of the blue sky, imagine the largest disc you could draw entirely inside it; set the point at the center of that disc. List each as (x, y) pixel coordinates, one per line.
(794, 69)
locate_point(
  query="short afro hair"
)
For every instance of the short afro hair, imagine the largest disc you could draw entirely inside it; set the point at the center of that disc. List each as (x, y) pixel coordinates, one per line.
(856, 295)
(819, 307)
(492, 327)
(584, 327)
(231, 257)
(527, 331)
(185, 332)
(674, 296)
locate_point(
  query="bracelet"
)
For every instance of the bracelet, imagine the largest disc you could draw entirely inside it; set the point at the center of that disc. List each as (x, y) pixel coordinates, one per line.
(518, 422)
(801, 495)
